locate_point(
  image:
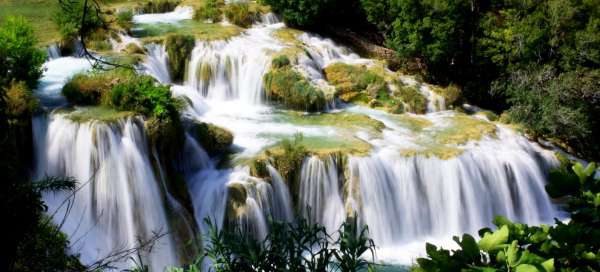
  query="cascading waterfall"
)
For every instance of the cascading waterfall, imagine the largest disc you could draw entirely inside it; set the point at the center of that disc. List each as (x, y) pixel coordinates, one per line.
(155, 63)
(53, 51)
(118, 200)
(56, 73)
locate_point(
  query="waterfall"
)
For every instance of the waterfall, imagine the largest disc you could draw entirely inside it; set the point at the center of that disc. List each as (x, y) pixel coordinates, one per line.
(56, 74)
(155, 63)
(234, 69)
(282, 200)
(270, 18)
(53, 51)
(180, 13)
(118, 200)
(320, 197)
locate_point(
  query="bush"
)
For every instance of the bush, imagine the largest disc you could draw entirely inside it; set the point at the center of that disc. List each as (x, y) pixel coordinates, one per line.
(303, 246)
(239, 13)
(143, 95)
(210, 10)
(293, 90)
(280, 62)
(125, 19)
(159, 6)
(20, 60)
(179, 48)
(300, 13)
(20, 102)
(215, 140)
(91, 88)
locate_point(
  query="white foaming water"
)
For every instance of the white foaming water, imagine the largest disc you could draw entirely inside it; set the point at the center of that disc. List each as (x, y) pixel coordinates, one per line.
(53, 51)
(155, 63)
(118, 200)
(180, 13)
(234, 69)
(56, 73)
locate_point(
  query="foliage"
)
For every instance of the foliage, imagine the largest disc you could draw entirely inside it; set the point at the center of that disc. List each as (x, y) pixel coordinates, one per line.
(299, 13)
(92, 88)
(179, 48)
(20, 60)
(210, 10)
(240, 13)
(143, 95)
(159, 6)
(215, 140)
(280, 62)
(70, 22)
(291, 89)
(572, 246)
(300, 246)
(20, 101)
(125, 19)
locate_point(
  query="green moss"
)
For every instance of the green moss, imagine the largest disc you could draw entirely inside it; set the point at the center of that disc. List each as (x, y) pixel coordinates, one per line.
(179, 48)
(452, 93)
(343, 120)
(210, 10)
(97, 113)
(462, 129)
(412, 122)
(440, 151)
(411, 97)
(289, 36)
(290, 88)
(215, 140)
(488, 114)
(280, 62)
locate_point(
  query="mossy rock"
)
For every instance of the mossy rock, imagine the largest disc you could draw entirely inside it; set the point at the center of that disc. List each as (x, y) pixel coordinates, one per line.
(236, 200)
(92, 88)
(290, 88)
(452, 93)
(215, 140)
(343, 120)
(241, 14)
(413, 122)
(412, 99)
(133, 48)
(166, 135)
(179, 48)
(158, 6)
(439, 151)
(97, 113)
(462, 129)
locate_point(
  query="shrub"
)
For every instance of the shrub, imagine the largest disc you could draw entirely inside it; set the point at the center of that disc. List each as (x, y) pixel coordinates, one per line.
(179, 48)
(280, 62)
(239, 13)
(159, 6)
(210, 10)
(20, 60)
(293, 90)
(20, 102)
(215, 140)
(125, 19)
(91, 88)
(143, 95)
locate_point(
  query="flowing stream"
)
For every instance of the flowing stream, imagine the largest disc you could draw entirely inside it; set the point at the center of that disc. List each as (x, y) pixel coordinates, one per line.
(410, 186)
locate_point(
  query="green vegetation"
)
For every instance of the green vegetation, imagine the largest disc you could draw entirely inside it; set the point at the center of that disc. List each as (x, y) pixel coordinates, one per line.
(70, 23)
(91, 88)
(210, 10)
(572, 246)
(158, 6)
(98, 113)
(213, 139)
(462, 129)
(280, 62)
(241, 14)
(340, 120)
(179, 48)
(302, 246)
(38, 13)
(289, 87)
(125, 19)
(143, 95)
(359, 84)
(19, 59)
(301, 12)
(20, 101)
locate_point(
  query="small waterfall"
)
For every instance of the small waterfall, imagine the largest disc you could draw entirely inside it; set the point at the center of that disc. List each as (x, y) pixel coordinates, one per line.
(282, 200)
(180, 13)
(320, 197)
(155, 63)
(118, 200)
(234, 69)
(53, 51)
(270, 18)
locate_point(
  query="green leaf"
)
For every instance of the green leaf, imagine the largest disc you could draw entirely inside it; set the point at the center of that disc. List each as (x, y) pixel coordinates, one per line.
(584, 173)
(512, 253)
(526, 268)
(494, 241)
(548, 265)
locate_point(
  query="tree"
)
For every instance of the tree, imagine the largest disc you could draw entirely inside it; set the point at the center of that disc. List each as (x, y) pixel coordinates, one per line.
(20, 60)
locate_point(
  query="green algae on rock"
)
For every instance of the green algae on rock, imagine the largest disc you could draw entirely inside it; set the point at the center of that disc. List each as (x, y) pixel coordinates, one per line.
(215, 140)
(96, 113)
(293, 90)
(462, 129)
